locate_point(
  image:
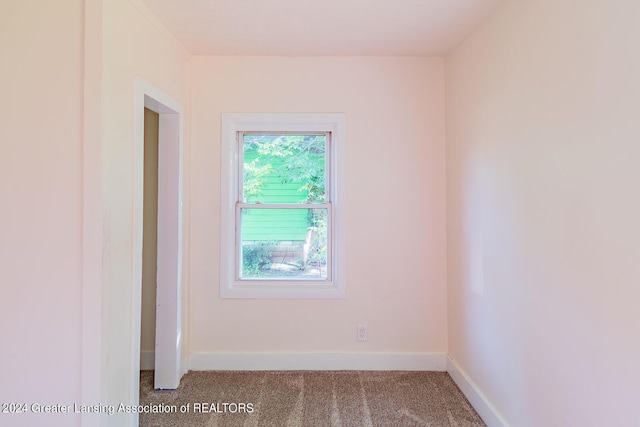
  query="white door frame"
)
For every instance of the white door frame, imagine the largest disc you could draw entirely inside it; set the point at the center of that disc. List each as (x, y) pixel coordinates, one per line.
(168, 348)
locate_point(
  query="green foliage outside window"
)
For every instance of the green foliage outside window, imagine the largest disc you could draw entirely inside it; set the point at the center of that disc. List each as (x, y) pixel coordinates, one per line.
(283, 169)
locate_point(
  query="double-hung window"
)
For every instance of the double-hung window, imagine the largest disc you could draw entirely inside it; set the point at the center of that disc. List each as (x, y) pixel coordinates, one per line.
(282, 213)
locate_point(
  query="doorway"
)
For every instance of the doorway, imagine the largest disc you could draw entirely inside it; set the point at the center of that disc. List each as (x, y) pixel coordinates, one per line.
(167, 341)
(149, 241)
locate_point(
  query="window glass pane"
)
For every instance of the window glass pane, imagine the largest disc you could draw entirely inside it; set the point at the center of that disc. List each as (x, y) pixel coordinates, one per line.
(284, 168)
(283, 243)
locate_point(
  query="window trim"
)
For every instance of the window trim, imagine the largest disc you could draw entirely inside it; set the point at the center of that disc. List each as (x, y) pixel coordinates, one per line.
(232, 124)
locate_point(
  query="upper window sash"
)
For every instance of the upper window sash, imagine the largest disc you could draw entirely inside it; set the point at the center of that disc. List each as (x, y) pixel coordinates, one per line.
(240, 142)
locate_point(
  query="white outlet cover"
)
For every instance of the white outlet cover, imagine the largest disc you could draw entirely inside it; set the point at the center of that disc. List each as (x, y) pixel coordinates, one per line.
(362, 333)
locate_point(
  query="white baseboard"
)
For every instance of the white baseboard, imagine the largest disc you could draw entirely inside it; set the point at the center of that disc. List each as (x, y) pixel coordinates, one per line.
(147, 360)
(478, 400)
(318, 361)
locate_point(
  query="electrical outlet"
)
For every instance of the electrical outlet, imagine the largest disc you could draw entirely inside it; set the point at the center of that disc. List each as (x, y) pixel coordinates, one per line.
(362, 333)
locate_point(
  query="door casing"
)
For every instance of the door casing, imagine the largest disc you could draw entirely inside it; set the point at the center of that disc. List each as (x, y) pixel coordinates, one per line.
(168, 348)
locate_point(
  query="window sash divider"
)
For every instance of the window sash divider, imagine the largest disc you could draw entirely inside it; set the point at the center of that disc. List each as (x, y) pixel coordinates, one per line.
(242, 205)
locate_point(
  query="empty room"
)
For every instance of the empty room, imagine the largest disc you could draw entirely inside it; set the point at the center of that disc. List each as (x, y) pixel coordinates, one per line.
(320, 213)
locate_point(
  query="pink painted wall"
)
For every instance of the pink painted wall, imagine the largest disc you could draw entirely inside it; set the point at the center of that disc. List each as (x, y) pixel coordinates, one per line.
(395, 226)
(135, 45)
(42, 176)
(543, 208)
(41, 206)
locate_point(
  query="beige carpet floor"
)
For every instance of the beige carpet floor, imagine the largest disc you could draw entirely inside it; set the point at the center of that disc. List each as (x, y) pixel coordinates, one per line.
(307, 398)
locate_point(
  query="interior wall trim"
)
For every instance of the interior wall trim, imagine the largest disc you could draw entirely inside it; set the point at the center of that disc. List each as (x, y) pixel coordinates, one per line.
(474, 395)
(318, 361)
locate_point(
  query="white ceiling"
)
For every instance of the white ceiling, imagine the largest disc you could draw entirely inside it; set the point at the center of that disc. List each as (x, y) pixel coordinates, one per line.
(321, 27)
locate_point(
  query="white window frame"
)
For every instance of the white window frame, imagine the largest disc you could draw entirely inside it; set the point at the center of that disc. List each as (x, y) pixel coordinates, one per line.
(233, 124)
